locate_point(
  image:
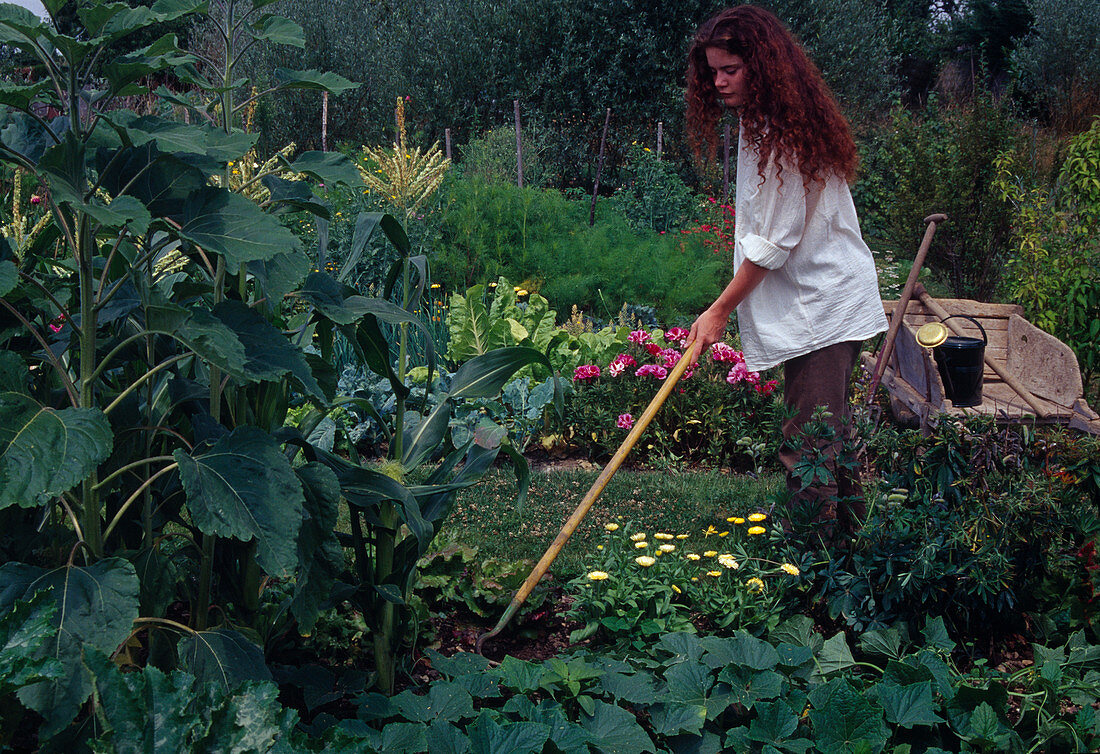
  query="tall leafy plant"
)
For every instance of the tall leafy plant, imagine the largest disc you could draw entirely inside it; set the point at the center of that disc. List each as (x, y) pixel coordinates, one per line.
(146, 358)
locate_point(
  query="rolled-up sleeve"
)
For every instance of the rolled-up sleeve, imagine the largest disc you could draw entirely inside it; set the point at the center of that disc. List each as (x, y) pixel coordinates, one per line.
(777, 216)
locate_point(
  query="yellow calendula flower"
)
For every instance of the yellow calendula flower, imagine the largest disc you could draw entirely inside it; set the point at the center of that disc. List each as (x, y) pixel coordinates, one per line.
(738, 520)
(597, 576)
(755, 585)
(710, 553)
(694, 578)
(676, 589)
(728, 561)
(667, 548)
(691, 556)
(682, 536)
(611, 527)
(641, 545)
(637, 537)
(662, 535)
(723, 534)
(599, 547)
(756, 530)
(645, 561)
(757, 517)
(715, 574)
(791, 569)
(710, 530)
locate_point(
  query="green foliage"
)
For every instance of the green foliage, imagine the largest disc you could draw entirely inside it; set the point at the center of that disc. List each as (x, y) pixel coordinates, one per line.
(652, 195)
(795, 692)
(544, 240)
(491, 157)
(717, 415)
(26, 628)
(641, 587)
(1053, 271)
(476, 329)
(945, 161)
(1058, 61)
(971, 523)
(457, 576)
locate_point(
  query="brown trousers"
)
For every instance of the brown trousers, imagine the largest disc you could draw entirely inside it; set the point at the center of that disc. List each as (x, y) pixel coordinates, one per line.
(821, 378)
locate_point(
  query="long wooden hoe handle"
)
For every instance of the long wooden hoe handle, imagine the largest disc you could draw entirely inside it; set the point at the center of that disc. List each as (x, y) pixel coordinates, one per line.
(593, 494)
(903, 303)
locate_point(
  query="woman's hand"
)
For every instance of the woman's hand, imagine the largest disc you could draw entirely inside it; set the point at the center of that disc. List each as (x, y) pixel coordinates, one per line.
(707, 330)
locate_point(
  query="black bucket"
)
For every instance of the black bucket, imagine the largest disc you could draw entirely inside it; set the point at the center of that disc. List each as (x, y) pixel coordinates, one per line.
(961, 360)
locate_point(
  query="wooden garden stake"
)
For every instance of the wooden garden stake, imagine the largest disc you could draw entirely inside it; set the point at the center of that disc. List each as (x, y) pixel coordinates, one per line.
(593, 493)
(447, 142)
(660, 138)
(519, 146)
(324, 121)
(599, 168)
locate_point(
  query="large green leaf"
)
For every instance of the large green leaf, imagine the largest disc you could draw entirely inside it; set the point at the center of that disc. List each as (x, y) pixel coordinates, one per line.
(222, 657)
(269, 355)
(908, 705)
(331, 82)
(278, 30)
(329, 168)
(20, 96)
(278, 276)
(146, 711)
(425, 435)
(176, 136)
(149, 712)
(244, 488)
(44, 451)
(616, 731)
(227, 223)
(9, 277)
(204, 334)
(161, 54)
(774, 722)
(844, 718)
(319, 553)
(97, 606)
(488, 737)
(484, 376)
(25, 630)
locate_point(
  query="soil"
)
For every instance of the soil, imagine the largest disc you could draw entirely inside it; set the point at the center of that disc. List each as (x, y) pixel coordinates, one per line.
(534, 637)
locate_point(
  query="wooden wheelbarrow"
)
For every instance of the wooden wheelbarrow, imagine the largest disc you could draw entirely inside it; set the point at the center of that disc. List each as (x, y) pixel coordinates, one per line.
(1029, 376)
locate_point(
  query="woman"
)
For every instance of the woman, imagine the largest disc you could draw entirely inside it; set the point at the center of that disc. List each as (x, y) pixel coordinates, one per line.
(804, 284)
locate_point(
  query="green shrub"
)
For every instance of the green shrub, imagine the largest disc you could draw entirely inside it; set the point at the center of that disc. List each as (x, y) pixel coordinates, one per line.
(1058, 61)
(491, 157)
(1052, 273)
(944, 160)
(652, 196)
(543, 240)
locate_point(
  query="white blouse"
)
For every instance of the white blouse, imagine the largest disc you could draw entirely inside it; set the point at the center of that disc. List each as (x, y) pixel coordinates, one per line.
(822, 287)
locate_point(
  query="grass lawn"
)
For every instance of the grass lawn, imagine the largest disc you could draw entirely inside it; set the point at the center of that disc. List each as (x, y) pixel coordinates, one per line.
(675, 501)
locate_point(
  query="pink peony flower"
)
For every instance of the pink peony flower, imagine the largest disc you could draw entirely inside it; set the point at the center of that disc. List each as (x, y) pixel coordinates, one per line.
(652, 349)
(646, 370)
(626, 421)
(767, 388)
(638, 337)
(669, 357)
(586, 372)
(616, 368)
(737, 373)
(676, 333)
(724, 352)
(626, 360)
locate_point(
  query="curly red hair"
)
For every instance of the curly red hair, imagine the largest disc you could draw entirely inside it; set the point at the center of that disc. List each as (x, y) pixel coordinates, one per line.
(789, 112)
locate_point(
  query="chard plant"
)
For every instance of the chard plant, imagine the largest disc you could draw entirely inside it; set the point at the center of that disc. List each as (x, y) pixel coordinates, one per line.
(151, 344)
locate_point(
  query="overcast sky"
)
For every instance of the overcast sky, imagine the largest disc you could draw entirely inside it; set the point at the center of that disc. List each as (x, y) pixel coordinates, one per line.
(34, 5)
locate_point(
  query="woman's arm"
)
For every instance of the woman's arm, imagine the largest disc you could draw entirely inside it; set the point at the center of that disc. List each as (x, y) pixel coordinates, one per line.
(710, 327)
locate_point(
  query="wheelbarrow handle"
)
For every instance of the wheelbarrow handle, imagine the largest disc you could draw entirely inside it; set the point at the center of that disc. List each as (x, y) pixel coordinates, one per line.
(592, 495)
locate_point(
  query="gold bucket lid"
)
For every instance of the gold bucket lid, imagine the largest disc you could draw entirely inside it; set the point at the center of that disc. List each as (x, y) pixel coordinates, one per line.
(932, 334)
